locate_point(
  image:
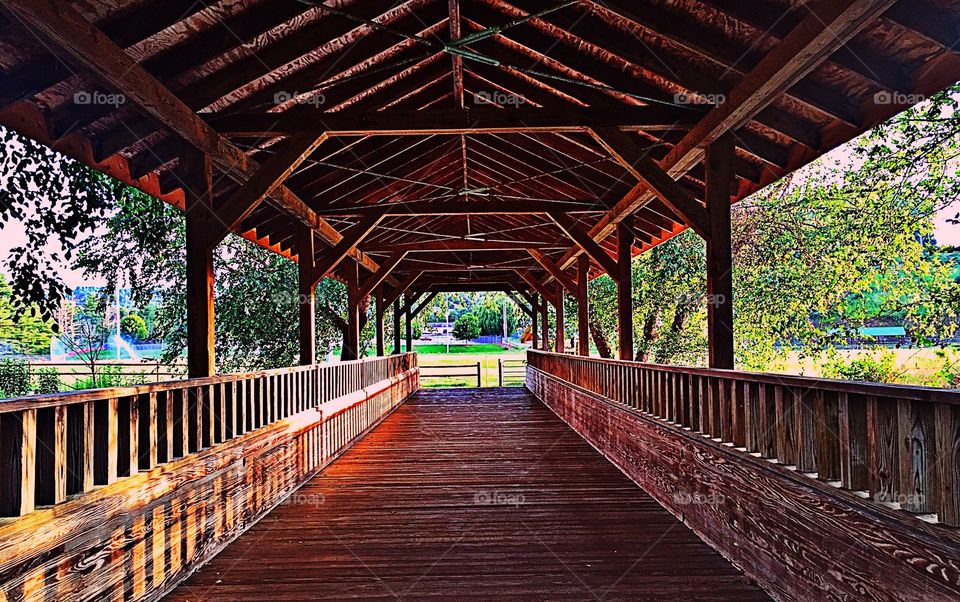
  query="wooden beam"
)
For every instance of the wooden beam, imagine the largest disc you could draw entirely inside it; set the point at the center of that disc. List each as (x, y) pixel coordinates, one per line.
(402, 286)
(306, 285)
(533, 282)
(645, 169)
(408, 322)
(198, 191)
(379, 320)
(828, 26)
(719, 159)
(347, 244)
(583, 306)
(81, 41)
(558, 309)
(470, 120)
(523, 306)
(467, 204)
(625, 292)
(454, 245)
(351, 339)
(545, 323)
(374, 280)
(580, 236)
(553, 270)
(423, 304)
(396, 326)
(290, 154)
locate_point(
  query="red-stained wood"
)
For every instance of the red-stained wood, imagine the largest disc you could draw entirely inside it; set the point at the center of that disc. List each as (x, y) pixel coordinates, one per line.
(583, 306)
(147, 528)
(477, 493)
(719, 184)
(199, 252)
(624, 292)
(800, 537)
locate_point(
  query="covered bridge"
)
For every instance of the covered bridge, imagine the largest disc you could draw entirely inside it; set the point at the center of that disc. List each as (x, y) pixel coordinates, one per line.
(428, 146)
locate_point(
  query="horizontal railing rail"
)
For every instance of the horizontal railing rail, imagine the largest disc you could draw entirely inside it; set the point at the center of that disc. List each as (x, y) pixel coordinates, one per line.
(511, 372)
(60, 445)
(444, 372)
(898, 445)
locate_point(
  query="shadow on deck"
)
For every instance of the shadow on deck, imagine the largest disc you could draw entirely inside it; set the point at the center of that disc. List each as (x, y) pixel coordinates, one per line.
(469, 493)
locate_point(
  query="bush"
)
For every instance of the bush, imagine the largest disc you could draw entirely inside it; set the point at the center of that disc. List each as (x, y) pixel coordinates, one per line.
(134, 327)
(14, 378)
(878, 368)
(48, 381)
(466, 327)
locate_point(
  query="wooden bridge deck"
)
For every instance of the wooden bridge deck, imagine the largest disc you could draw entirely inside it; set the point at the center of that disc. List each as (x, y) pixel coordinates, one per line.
(469, 494)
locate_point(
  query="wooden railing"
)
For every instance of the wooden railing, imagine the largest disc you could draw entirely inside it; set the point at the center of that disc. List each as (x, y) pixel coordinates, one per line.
(894, 445)
(60, 445)
(122, 493)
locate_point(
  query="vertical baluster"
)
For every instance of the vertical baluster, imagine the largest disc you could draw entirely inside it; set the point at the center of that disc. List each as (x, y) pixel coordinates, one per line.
(948, 467)
(883, 448)
(737, 411)
(79, 447)
(852, 418)
(105, 440)
(230, 410)
(785, 424)
(827, 433)
(915, 424)
(768, 419)
(133, 439)
(724, 408)
(751, 416)
(804, 424)
(147, 449)
(51, 455)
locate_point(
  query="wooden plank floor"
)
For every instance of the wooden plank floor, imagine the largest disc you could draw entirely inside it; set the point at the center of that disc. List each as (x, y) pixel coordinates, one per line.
(475, 493)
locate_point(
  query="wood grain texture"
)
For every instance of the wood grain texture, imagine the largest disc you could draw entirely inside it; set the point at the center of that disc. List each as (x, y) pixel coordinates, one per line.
(146, 529)
(799, 538)
(469, 494)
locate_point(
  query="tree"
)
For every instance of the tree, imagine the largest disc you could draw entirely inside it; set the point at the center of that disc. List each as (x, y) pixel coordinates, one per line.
(466, 327)
(134, 327)
(25, 331)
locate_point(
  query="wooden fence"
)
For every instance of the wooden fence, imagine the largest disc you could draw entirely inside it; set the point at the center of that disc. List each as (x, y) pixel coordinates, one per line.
(809, 485)
(147, 482)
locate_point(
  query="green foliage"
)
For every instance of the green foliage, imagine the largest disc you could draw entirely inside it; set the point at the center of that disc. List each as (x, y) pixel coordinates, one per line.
(876, 367)
(47, 381)
(134, 327)
(948, 375)
(57, 200)
(466, 327)
(22, 328)
(14, 378)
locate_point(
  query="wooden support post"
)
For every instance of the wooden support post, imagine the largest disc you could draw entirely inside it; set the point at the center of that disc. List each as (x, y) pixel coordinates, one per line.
(305, 257)
(558, 345)
(583, 307)
(409, 323)
(534, 310)
(544, 323)
(379, 318)
(719, 182)
(624, 291)
(396, 326)
(351, 342)
(200, 328)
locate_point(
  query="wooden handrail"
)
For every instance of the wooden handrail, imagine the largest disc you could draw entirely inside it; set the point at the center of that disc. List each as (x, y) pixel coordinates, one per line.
(896, 443)
(64, 444)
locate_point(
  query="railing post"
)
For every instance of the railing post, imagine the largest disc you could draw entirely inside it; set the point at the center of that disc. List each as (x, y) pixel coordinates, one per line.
(625, 291)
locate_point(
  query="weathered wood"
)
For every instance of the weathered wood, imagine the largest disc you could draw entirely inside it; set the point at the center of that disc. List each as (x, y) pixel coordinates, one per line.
(306, 302)
(624, 292)
(580, 236)
(518, 493)
(378, 324)
(562, 277)
(158, 524)
(351, 338)
(231, 212)
(558, 310)
(583, 307)
(724, 495)
(198, 192)
(471, 120)
(719, 189)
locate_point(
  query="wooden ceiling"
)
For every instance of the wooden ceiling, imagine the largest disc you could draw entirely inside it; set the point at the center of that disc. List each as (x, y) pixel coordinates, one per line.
(466, 138)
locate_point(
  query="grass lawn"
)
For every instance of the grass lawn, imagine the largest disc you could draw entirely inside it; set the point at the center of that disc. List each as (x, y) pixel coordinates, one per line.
(474, 348)
(466, 363)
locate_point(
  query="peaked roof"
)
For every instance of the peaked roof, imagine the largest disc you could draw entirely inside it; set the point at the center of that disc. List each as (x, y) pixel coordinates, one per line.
(459, 135)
